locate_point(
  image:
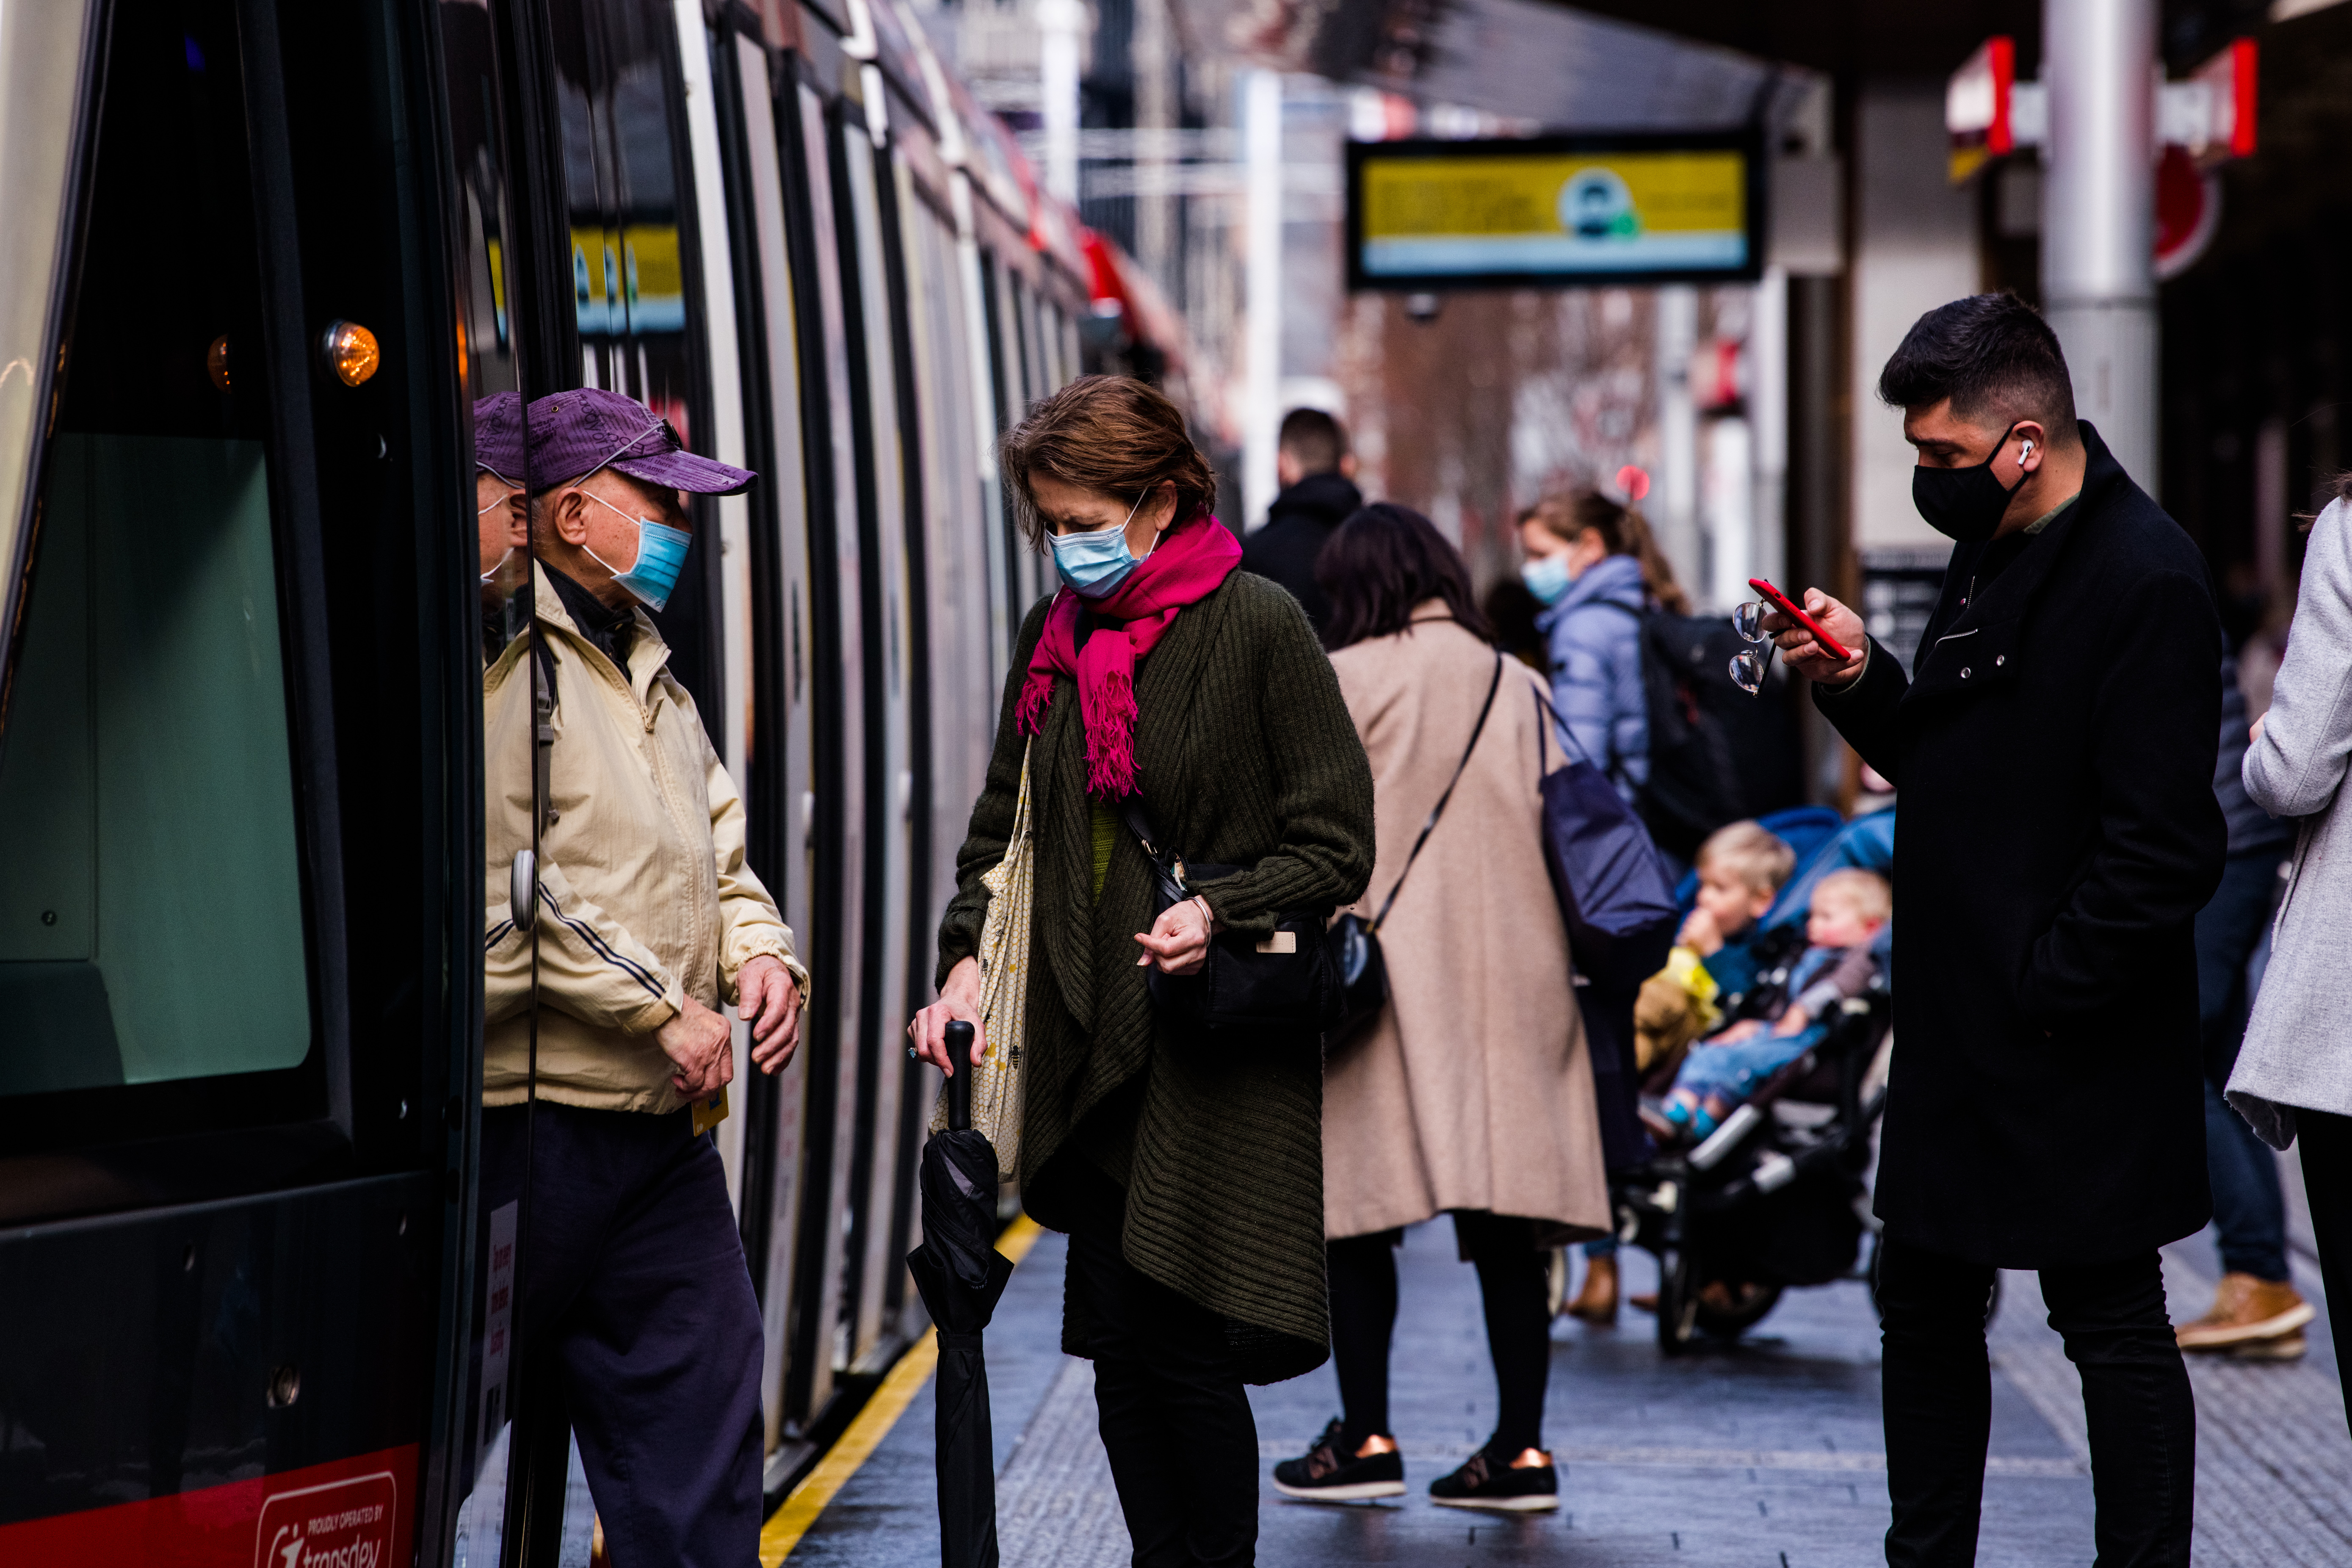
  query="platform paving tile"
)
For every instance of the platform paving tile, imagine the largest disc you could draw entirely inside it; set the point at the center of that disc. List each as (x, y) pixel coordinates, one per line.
(1742, 1455)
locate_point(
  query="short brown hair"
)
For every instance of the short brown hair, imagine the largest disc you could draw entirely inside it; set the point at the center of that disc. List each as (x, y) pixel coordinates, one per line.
(1109, 434)
(1760, 858)
(1314, 440)
(1622, 531)
(1866, 891)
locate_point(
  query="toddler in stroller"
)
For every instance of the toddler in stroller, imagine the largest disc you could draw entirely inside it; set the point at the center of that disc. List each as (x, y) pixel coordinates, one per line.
(1850, 909)
(1774, 1197)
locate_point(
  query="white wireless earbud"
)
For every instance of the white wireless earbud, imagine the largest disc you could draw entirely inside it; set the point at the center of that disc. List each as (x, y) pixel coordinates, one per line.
(2026, 450)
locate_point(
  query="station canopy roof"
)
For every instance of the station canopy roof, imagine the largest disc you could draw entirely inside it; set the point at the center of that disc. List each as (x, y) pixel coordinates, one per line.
(1651, 64)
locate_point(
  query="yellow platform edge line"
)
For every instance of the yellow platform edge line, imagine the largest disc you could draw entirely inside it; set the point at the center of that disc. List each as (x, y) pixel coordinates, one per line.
(807, 1501)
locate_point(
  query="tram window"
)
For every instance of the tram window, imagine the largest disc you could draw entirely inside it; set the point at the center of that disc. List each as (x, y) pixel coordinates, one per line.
(150, 891)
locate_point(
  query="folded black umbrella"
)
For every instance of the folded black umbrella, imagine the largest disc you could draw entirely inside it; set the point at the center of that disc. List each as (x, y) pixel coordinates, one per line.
(960, 1275)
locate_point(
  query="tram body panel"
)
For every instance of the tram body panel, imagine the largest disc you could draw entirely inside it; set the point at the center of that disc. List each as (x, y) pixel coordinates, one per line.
(713, 231)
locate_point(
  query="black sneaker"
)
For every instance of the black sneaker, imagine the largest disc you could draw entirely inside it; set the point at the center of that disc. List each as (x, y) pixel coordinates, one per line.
(1487, 1483)
(1326, 1474)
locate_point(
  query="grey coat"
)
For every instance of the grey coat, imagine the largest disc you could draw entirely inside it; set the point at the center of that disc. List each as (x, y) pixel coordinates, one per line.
(2298, 1048)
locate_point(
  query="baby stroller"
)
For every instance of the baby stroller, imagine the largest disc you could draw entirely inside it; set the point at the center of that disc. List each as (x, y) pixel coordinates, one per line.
(1772, 1198)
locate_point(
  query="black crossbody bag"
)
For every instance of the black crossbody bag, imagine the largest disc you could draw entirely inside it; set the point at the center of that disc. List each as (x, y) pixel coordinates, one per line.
(1248, 986)
(1355, 942)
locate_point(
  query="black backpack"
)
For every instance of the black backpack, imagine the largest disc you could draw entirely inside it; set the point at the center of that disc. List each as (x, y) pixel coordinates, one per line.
(1716, 753)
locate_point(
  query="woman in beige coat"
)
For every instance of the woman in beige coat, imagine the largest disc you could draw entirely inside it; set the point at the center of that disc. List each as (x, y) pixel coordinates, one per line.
(1472, 1094)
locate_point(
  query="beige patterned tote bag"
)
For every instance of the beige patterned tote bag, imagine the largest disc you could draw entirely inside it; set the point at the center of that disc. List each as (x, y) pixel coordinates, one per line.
(1005, 992)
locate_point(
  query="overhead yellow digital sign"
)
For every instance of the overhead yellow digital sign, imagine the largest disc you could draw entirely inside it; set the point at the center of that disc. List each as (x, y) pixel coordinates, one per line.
(1434, 213)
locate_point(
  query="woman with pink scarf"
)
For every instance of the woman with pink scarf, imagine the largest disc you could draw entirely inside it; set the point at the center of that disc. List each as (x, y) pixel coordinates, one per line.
(1187, 1170)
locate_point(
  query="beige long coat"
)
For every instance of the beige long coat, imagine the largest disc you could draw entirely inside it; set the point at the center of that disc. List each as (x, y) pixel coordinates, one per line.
(1473, 1090)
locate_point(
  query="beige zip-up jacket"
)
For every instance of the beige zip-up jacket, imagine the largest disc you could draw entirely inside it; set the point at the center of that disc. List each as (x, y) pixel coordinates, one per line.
(643, 895)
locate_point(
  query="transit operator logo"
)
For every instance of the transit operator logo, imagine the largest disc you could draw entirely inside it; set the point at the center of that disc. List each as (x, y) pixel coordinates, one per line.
(344, 1524)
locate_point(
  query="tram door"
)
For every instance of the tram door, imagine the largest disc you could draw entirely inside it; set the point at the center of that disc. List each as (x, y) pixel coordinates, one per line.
(240, 883)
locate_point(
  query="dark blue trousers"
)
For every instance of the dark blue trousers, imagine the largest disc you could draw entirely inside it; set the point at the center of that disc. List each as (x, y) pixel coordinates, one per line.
(632, 1273)
(2249, 1209)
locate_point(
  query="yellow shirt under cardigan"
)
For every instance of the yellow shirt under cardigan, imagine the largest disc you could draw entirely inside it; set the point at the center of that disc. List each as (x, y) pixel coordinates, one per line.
(644, 897)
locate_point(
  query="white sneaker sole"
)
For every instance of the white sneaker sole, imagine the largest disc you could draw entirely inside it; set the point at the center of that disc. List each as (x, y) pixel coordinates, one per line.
(1359, 1491)
(1538, 1502)
(2286, 1323)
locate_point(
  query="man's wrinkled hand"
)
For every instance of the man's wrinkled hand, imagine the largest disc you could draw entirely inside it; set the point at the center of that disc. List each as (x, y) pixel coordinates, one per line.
(1805, 652)
(699, 1042)
(771, 1004)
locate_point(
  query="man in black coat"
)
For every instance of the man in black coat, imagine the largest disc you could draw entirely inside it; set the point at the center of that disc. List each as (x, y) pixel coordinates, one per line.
(2053, 747)
(1319, 494)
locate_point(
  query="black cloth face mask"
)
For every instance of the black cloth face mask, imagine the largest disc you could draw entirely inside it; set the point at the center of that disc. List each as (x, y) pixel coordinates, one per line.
(1964, 504)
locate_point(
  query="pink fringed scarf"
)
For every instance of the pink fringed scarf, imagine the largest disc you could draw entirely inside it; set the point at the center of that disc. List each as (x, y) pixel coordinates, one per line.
(1189, 561)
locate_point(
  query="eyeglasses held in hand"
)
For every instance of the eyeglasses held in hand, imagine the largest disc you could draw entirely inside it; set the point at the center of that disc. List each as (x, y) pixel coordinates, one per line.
(1750, 666)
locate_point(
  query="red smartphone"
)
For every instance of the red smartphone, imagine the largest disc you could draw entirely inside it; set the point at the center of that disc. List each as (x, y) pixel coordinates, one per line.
(1788, 607)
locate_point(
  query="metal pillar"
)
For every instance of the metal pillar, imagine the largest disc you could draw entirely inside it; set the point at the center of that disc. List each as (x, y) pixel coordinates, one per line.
(1061, 25)
(2098, 285)
(1262, 321)
(1673, 506)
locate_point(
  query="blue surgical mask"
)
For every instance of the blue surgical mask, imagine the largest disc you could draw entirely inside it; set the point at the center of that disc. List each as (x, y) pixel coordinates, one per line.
(1548, 577)
(661, 556)
(1095, 563)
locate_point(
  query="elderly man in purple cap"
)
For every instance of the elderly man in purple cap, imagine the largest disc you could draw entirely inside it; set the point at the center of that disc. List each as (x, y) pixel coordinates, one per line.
(649, 919)
(500, 516)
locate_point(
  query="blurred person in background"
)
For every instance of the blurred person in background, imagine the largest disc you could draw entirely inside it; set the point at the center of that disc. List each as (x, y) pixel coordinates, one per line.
(1187, 1171)
(2257, 1313)
(1596, 570)
(1317, 474)
(1470, 1095)
(2294, 1076)
(2054, 747)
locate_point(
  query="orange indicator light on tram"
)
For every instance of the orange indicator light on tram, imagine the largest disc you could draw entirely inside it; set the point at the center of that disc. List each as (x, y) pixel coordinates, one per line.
(217, 362)
(352, 353)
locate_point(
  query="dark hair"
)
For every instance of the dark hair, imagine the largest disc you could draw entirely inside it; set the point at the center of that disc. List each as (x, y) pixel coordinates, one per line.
(1992, 354)
(1622, 531)
(1315, 438)
(1109, 434)
(1382, 562)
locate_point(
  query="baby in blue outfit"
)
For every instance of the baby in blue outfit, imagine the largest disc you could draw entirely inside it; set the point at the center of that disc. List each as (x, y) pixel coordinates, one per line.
(1848, 910)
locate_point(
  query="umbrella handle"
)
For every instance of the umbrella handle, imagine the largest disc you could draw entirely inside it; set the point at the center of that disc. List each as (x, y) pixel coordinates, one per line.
(959, 1085)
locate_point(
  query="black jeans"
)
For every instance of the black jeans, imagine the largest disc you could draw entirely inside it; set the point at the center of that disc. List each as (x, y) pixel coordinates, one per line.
(1938, 1402)
(1175, 1418)
(1511, 1279)
(2249, 1209)
(2325, 1139)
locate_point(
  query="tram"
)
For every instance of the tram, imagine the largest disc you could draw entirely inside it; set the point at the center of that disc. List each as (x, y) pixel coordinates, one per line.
(262, 260)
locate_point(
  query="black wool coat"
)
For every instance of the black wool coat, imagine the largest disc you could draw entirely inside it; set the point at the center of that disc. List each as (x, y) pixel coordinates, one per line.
(1298, 524)
(2054, 752)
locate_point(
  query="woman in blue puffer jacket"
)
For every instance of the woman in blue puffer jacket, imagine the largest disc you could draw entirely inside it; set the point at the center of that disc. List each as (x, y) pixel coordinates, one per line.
(1596, 569)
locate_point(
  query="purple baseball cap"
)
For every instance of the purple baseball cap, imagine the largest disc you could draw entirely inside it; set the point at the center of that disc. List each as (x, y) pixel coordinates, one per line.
(497, 435)
(573, 434)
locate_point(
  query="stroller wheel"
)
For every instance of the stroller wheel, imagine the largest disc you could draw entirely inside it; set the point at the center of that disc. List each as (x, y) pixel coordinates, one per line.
(1678, 1299)
(1732, 1312)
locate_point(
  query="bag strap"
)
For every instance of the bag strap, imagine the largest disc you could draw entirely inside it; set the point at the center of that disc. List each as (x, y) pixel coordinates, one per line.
(1438, 810)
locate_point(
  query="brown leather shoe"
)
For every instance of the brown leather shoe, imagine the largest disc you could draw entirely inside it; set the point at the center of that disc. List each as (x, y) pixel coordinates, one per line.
(1596, 1303)
(2247, 1310)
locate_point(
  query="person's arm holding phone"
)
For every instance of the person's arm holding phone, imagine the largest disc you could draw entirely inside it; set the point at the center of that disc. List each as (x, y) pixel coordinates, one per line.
(1857, 693)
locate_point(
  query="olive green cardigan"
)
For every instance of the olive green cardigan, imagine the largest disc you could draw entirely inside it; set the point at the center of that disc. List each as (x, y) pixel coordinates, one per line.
(1247, 756)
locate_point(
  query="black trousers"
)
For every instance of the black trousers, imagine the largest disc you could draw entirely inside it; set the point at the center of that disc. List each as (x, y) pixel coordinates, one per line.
(1511, 1280)
(1174, 1416)
(1938, 1402)
(635, 1277)
(2325, 1139)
